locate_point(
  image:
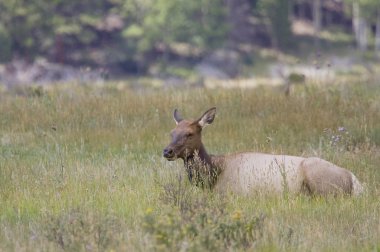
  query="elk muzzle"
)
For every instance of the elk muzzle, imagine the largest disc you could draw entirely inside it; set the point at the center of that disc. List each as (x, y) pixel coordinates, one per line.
(169, 154)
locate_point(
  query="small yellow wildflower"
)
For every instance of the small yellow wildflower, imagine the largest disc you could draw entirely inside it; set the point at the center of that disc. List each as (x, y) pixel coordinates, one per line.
(237, 215)
(149, 210)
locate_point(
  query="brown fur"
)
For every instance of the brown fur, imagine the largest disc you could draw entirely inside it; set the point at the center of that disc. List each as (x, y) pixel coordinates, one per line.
(322, 177)
(245, 172)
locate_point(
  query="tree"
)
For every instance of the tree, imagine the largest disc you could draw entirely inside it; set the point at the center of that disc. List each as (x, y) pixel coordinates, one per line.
(317, 22)
(377, 36)
(199, 23)
(277, 13)
(35, 27)
(25, 26)
(365, 12)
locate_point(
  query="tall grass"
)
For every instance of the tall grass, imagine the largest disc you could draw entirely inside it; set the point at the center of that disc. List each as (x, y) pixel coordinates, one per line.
(81, 169)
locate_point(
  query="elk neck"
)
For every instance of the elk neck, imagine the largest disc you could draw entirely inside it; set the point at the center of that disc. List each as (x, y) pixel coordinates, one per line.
(200, 168)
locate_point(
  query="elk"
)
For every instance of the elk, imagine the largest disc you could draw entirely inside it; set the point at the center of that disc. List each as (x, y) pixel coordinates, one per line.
(248, 172)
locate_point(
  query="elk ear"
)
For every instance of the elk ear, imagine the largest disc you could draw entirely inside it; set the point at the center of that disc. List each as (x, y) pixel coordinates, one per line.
(207, 118)
(176, 116)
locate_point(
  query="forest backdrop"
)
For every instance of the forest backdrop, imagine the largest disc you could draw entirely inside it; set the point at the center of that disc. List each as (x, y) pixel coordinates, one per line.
(132, 36)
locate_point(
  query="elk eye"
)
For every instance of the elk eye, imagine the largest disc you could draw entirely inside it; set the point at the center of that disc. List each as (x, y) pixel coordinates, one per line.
(189, 135)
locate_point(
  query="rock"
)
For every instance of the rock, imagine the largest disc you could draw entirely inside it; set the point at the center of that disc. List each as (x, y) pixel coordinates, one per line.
(206, 70)
(41, 72)
(221, 64)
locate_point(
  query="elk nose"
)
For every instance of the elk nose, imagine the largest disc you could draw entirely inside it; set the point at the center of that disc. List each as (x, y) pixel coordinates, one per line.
(168, 153)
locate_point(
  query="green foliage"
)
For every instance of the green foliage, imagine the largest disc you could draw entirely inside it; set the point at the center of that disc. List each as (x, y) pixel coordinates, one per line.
(33, 25)
(200, 222)
(80, 20)
(167, 22)
(278, 14)
(296, 77)
(127, 32)
(81, 231)
(6, 45)
(132, 28)
(27, 25)
(369, 8)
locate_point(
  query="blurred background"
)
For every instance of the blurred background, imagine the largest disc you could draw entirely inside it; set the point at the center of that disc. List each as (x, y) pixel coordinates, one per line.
(178, 42)
(87, 93)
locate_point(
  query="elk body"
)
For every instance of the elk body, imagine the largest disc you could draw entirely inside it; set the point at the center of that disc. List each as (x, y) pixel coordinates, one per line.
(248, 172)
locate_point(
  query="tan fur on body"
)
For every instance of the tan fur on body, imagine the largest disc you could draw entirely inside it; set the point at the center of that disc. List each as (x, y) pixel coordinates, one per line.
(248, 172)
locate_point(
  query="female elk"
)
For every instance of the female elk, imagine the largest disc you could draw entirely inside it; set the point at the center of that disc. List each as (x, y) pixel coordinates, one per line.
(249, 171)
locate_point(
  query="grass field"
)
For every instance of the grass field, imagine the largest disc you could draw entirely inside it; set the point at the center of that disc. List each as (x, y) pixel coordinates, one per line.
(81, 170)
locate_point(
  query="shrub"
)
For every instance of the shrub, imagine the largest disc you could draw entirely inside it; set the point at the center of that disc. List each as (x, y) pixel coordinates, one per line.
(79, 230)
(196, 221)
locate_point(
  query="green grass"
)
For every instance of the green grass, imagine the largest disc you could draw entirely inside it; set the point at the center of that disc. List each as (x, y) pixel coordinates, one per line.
(81, 169)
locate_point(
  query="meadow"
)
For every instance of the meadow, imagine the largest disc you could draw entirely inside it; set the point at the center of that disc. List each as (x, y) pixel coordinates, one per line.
(81, 169)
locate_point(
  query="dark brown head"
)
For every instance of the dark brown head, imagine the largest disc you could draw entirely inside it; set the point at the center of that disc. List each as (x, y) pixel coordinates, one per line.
(186, 137)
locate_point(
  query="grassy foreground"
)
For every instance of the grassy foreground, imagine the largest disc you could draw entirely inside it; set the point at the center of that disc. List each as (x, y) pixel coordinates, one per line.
(81, 170)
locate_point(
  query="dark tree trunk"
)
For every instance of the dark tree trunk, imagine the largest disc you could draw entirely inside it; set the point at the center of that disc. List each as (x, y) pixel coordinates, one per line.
(317, 22)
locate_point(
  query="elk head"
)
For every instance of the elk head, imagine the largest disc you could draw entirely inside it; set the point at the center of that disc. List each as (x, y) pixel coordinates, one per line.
(186, 136)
